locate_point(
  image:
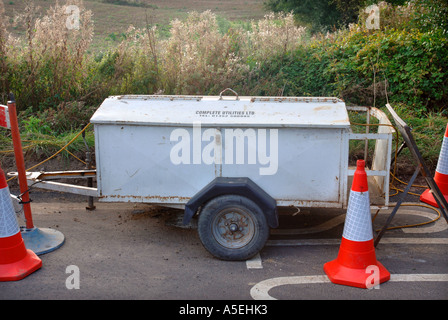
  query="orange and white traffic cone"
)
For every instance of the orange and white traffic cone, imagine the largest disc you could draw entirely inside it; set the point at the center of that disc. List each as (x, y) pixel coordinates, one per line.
(441, 175)
(356, 263)
(16, 262)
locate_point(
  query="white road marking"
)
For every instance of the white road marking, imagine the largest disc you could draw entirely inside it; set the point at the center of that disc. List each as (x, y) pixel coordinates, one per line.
(260, 291)
(320, 242)
(437, 226)
(254, 263)
(330, 224)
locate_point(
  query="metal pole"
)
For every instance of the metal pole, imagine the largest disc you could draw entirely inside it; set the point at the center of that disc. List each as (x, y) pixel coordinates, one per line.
(397, 206)
(366, 141)
(90, 206)
(20, 163)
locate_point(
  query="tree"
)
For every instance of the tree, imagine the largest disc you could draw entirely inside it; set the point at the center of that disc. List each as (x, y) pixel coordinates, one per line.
(315, 14)
(324, 15)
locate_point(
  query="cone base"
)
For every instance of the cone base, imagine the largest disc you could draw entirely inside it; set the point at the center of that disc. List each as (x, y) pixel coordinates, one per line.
(359, 278)
(428, 198)
(20, 269)
(42, 240)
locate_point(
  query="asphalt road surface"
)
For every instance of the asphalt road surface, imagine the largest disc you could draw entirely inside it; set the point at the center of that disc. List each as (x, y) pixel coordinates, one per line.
(128, 251)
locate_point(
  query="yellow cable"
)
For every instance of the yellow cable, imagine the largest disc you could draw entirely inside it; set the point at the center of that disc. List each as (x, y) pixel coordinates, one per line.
(54, 155)
(413, 225)
(80, 160)
(11, 151)
(392, 187)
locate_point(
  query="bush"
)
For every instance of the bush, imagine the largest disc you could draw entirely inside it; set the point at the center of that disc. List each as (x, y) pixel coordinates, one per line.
(405, 61)
(48, 66)
(404, 65)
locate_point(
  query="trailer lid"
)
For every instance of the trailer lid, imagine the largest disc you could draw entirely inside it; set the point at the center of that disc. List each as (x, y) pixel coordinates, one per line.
(219, 111)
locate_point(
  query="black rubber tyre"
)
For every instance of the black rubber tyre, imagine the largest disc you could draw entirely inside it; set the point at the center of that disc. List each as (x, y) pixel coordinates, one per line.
(232, 227)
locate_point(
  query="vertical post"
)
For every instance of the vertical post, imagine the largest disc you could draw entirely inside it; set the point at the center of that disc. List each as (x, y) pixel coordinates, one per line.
(397, 206)
(20, 163)
(90, 206)
(366, 141)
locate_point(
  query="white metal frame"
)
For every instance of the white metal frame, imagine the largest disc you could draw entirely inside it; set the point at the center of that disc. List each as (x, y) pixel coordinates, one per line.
(379, 171)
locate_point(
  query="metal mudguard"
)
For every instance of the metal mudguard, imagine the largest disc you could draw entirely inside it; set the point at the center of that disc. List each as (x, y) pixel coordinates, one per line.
(240, 186)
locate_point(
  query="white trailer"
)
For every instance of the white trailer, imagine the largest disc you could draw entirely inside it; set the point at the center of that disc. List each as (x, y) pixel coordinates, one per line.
(229, 161)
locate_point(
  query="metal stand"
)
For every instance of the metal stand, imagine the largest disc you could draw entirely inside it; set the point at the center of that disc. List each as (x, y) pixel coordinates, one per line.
(42, 240)
(397, 206)
(421, 167)
(90, 205)
(38, 240)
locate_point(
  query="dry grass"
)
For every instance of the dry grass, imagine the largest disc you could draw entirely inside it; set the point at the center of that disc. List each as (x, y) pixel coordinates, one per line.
(112, 20)
(50, 64)
(197, 58)
(49, 51)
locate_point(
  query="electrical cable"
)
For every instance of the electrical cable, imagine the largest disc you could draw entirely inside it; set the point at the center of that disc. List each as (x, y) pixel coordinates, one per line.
(392, 187)
(54, 155)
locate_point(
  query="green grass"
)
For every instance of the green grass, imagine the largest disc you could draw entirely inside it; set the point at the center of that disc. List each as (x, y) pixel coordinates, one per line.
(42, 145)
(427, 131)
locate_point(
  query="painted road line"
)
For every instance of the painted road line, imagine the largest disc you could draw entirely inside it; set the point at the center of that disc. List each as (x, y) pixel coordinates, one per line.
(260, 291)
(436, 226)
(322, 242)
(330, 224)
(254, 263)
(302, 242)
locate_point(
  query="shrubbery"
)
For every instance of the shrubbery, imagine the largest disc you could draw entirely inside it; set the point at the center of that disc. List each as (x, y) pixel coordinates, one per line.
(405, 61)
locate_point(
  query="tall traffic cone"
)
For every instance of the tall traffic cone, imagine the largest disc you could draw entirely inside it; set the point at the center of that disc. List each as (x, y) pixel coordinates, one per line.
(356, 258)
(441, 175)
(16, 262)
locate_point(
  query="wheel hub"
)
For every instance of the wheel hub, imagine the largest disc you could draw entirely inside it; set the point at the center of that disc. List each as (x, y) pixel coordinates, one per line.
(233, 228)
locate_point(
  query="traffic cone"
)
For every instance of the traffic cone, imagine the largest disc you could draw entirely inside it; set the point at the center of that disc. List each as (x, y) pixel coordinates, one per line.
(441, 175)
(356, 258)
(16, 262)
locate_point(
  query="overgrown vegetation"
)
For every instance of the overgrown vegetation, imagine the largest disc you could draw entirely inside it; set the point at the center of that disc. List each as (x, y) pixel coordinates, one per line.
(324, 15)
(58, 82)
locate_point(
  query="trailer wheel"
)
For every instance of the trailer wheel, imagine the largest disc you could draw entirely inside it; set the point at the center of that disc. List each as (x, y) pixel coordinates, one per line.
(232, 227)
